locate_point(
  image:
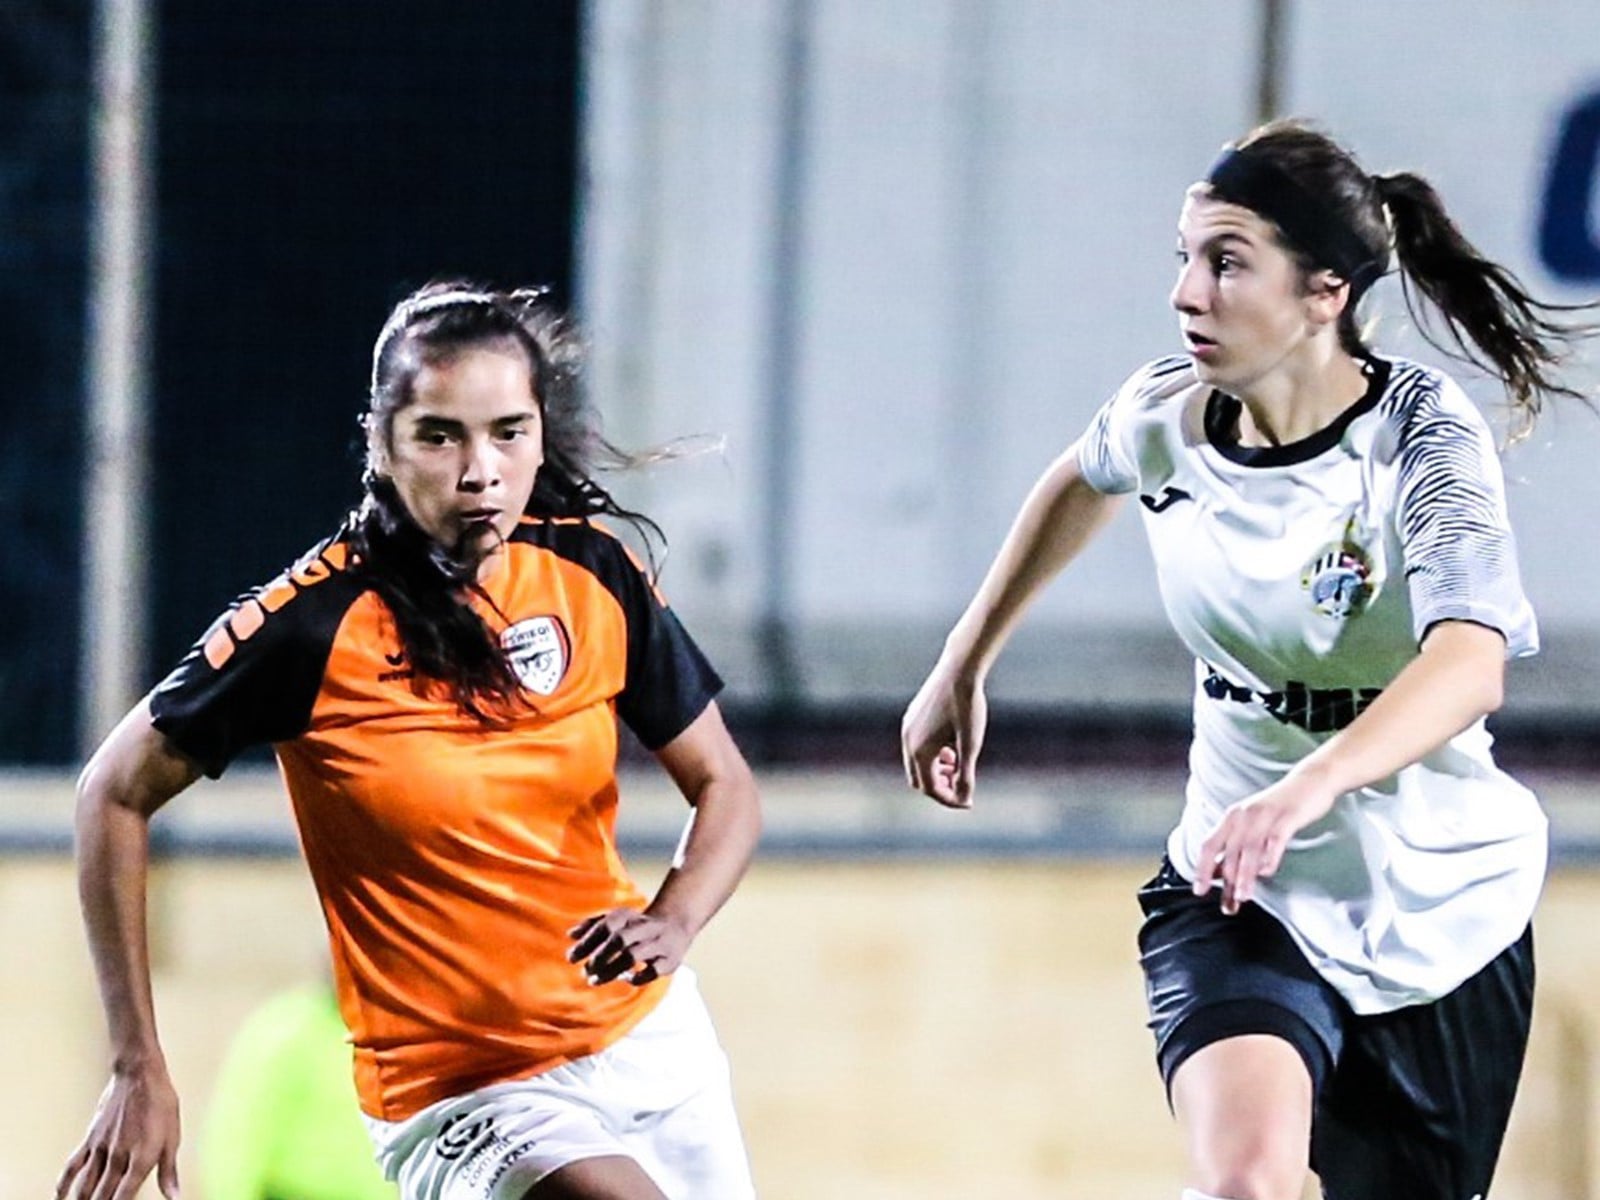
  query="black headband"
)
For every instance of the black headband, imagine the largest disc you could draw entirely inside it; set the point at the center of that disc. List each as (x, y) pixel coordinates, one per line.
(1253, 182)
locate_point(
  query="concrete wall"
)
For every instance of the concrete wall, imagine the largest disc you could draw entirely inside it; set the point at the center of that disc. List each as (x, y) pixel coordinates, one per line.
(921, 1028)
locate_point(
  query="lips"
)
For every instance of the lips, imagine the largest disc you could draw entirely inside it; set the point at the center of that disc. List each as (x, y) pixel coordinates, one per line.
(1198, 340)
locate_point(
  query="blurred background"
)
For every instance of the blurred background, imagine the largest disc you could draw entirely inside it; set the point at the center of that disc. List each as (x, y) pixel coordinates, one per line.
(893, 254)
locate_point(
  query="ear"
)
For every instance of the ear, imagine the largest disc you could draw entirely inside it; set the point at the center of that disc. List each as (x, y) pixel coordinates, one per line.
(1327, 294)
(377, 452)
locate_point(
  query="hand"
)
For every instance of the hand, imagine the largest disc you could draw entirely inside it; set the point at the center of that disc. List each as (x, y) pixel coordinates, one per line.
(1249, 843)
(611, 944)
(941, 735)
(135, 1129)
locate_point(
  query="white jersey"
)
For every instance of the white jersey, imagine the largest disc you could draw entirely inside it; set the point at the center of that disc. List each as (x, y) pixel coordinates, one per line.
(1303, 578)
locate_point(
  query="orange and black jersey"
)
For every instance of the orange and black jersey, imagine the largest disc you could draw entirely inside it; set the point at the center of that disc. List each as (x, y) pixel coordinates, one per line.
(451, 857)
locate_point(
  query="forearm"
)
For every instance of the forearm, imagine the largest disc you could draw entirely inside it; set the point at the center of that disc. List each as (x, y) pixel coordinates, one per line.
(717, 847)
(131, 775)
(1060, 516)
(1457, 679)
(113, 865)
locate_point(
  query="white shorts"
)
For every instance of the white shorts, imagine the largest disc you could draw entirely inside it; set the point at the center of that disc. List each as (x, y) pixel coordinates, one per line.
(660, 1096)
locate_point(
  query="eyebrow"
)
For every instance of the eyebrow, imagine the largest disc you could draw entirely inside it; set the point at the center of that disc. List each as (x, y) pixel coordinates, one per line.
(1220, 239)
(450, 424)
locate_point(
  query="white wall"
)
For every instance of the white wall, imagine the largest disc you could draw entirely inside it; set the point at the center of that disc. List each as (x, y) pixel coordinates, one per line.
(918, 253)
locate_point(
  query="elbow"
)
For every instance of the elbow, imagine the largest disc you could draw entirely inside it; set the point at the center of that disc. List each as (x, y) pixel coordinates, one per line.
(731, 799)
(758, 816)
(1493, 694)
(749, 803)
(90, 795)
(1492, 678)
(94, 808)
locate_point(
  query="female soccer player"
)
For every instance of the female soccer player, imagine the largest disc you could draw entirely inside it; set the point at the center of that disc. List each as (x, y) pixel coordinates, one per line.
(441, 681)
(1336, 948)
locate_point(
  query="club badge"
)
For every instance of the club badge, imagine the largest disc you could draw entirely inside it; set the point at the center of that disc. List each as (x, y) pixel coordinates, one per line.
(540, 651)
(1339, 580)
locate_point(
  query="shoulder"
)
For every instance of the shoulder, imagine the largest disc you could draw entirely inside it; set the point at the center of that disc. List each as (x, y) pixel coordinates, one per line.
(1423, 405)
(1158, 382)
(591, 547)
(306, 602)
(578, 540)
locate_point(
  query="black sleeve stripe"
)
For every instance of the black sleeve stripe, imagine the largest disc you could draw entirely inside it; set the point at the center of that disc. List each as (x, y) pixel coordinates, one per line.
(253, 678)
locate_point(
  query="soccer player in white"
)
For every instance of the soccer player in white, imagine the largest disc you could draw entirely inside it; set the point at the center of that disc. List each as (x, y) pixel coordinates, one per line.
(1336, 948)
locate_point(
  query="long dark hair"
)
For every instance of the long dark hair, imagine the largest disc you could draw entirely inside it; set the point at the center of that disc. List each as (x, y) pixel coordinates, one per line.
(428, 586)
(1491, 319)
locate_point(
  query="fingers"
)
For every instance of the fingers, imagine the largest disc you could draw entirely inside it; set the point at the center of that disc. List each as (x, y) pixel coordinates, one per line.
(86, 1174)
(71, 1171)
(79, 1172)
(940, 736)
(167, 1173)
(1245, 848)
(627, 942)
(921, 764)
(965, 768)
(950, 780)
(937, 776)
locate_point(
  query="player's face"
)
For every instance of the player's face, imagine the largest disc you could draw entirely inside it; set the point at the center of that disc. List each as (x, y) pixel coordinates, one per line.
(463, 454)
(1239, 297)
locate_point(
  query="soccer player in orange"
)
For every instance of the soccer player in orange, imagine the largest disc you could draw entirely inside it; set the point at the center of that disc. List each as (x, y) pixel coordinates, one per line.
(441, 682)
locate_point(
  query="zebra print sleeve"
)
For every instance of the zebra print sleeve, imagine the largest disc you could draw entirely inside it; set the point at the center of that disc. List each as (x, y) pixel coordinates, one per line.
(1460, 554)
(1104, 463)
(1107, 454)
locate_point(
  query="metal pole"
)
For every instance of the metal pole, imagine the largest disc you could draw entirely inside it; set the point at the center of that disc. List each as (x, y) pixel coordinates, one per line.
(969, 444)
(116, 492)
(775, 624)
(1269, 78)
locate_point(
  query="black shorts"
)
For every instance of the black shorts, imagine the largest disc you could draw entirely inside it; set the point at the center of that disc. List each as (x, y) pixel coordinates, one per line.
(1408, 1103)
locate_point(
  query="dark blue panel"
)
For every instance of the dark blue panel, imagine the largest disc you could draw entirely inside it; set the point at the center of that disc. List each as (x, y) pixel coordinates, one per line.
(44, 98)
(316, 162)
(1569, 239)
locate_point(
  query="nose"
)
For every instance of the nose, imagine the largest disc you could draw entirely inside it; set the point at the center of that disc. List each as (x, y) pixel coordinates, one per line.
(479, 467)
(1191, 293)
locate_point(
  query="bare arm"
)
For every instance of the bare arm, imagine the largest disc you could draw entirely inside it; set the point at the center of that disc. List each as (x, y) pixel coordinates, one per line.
(942, 731)
(1457, 678)
(135, 1128)
(721, 838)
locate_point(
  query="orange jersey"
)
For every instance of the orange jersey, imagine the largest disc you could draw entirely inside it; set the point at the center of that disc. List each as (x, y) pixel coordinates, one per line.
(451, 858)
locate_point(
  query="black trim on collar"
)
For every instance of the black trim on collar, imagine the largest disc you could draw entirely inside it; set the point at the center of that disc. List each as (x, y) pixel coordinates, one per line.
(1222, 423)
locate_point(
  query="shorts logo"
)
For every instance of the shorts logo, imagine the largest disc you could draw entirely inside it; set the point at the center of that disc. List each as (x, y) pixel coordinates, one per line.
(540, 652)
(458, 1135)
(1339, 579)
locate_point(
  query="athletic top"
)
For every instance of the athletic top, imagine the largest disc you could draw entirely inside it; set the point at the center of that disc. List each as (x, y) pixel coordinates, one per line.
(1303, 578)
(451, 858)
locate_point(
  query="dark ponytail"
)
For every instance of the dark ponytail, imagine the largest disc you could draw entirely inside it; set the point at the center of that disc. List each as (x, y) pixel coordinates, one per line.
(1492, 320)
(427, 588)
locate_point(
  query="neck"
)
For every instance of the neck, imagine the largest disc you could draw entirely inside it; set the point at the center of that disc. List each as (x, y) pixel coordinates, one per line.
(491, 564)
(1299, 396)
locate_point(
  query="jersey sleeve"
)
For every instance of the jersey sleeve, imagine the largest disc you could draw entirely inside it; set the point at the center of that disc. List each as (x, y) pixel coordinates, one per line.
(1460, 554)
(669, 681)
(1108, 451)
(253, 677)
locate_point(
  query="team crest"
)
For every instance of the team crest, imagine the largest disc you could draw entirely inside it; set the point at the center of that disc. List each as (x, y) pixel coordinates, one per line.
(540, 652)
(1339, 580)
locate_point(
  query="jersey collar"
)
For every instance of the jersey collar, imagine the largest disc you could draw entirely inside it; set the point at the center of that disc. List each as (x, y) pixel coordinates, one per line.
(1222, 422)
